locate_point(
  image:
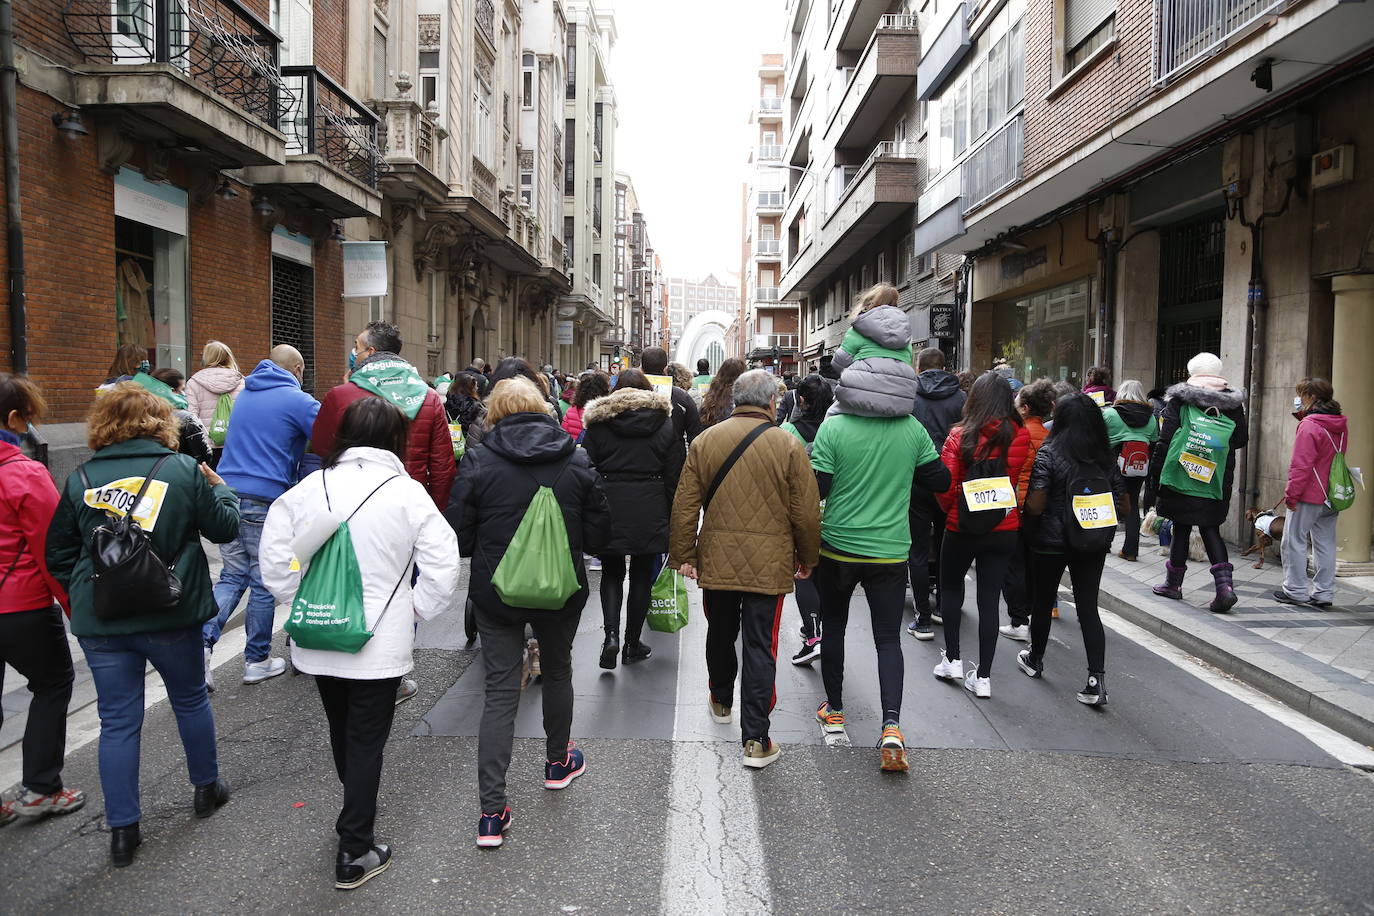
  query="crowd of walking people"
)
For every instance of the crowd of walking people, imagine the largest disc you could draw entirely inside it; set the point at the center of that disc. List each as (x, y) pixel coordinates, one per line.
(882, 471)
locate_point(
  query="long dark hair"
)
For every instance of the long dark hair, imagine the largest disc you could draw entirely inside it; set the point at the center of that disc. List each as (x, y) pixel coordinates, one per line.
(815, 396)
(593, 385)
(516, 367)
(369, 423)
(633, 378)
(721, 394)
(989, 401)
(1079, 430)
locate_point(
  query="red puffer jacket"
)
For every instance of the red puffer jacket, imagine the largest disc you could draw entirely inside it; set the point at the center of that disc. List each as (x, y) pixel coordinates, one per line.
(1018, 454)
(27, 501)
(429, 449)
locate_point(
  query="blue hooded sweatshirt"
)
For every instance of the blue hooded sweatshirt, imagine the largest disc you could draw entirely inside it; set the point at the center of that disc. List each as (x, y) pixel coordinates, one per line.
(268, 431)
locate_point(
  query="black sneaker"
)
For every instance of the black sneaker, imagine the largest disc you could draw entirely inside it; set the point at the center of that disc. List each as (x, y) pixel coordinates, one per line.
(635, 652)
(810, 651)
(1320, 605)
(350, 872)
(1032, 667)
(1282, 597)
(1095, 693)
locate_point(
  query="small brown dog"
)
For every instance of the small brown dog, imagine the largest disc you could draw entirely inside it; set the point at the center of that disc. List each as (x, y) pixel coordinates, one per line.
(1268, 527)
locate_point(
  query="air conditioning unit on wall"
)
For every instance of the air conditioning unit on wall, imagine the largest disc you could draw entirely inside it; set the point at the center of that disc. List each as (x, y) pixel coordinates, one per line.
(1333, 166)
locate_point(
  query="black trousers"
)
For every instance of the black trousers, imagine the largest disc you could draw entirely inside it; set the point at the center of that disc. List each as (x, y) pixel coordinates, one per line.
(1131, 547)
(34, 643)
(359, 714)
(1085, 573)
(644, 569)
(1020, 571)
(884, 585)
(728, 615)
(809, 607)
(927, 534)
(993, 553)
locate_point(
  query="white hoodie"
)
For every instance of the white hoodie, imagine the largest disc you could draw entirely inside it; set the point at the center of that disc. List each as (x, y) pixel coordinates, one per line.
(399, 518)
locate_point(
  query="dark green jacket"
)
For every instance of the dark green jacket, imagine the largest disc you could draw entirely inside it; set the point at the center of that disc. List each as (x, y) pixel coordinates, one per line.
(187, 508)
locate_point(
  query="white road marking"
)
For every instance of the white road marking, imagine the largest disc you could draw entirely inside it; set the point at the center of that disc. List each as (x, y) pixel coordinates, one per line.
(83, 723)
(713, 859)
(1347, 751)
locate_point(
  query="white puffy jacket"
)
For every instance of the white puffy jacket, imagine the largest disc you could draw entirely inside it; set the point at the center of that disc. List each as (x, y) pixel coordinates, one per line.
(399, 518)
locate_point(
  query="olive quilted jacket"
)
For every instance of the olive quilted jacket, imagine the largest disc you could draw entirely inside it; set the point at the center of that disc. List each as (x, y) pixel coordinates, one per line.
(764, 519)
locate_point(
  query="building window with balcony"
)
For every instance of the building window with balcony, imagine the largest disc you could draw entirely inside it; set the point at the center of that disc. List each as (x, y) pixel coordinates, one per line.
(599, 124)
(483, 122)
(527, 82)
(294, 20)
(991, 88)
(570, 63)
(596, 207)
(429, 78)
(596, 269)
(1087, 26)
(378, 64)
(570, 158)
(569, 238)
(527, 183)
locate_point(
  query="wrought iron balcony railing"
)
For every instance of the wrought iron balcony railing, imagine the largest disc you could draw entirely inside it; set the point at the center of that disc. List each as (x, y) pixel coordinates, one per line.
(218, 44)
(322, 119)
(1192, 30)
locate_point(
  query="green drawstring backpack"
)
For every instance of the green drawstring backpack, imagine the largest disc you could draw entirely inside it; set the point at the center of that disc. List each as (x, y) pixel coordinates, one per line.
(536, 571)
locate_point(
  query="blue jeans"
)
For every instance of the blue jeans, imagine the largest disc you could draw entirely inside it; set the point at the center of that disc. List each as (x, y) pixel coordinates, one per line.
(240, 574)
(117, 666)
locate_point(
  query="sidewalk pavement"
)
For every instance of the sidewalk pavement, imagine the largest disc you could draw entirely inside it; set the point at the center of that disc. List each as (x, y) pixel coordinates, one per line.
(1321, 663)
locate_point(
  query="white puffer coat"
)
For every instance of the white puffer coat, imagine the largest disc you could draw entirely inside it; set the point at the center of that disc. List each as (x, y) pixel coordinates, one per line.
(398, 519)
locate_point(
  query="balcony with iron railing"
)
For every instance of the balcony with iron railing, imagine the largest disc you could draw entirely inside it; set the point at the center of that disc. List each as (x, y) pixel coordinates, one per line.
(333, 161)
(993, 166)
(1191, 31)
(885, 72)
(203, 70)
(770, 108)
(770, 152)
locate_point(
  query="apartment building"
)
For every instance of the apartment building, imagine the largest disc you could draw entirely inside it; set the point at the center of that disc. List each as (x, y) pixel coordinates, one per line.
(767, 332)
(590, 118)
(1132, 181)
(635, 278)
(854, 164)
(700, 313)
(181, 168)
(471, 102)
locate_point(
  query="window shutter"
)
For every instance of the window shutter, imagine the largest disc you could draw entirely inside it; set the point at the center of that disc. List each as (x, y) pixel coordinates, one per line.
(1082, 17)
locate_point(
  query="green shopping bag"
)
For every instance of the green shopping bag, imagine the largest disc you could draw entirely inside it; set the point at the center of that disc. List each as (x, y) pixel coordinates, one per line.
(328, 611)
(668, 602)
(536, 570)
(219, 423)
(1340, 483)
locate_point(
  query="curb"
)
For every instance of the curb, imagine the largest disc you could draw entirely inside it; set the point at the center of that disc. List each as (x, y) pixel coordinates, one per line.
(1310, 704)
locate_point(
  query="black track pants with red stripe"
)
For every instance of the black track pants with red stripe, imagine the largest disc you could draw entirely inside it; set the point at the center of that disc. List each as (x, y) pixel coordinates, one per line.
(728, 614)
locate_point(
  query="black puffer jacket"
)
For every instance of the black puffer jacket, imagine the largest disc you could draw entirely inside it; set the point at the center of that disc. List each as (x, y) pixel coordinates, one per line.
(1178, 507)
(1051, 475)
(518, 455)
(633, 446)
(939, 402)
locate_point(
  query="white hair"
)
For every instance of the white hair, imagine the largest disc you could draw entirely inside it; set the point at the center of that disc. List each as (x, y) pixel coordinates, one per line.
(755, 388)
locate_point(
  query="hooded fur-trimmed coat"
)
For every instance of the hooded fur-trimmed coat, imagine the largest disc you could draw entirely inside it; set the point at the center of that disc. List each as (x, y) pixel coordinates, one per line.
(1180, 508)
(633, 445)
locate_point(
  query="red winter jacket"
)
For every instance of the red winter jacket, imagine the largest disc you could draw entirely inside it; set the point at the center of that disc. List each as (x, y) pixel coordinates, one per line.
(27, 501)
(1320, 436)
(1017, 460)
(429, 448)
(572, 423)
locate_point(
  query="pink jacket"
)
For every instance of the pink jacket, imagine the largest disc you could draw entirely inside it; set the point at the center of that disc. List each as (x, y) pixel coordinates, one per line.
(1320, 435)
(572, 423)
(203, 390)
(27, 501)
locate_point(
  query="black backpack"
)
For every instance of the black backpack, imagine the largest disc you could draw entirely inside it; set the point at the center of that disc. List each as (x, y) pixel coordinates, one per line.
(982, 521)
(1089, 509)
(128, 578)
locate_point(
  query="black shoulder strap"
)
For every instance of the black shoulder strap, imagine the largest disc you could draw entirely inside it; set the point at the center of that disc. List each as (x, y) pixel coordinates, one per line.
(734, 456)
(324, 482)
(147, 479)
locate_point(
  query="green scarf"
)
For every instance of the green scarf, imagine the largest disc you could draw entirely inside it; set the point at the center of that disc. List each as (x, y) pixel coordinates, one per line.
(161, 390)
(394, 380)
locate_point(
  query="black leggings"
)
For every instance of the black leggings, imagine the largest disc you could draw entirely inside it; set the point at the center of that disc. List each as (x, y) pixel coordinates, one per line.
(1211, 540)
(1085, 573)
(808, 606)
(1131, 546)
(642, 577)
(993, 553)
(884, 586)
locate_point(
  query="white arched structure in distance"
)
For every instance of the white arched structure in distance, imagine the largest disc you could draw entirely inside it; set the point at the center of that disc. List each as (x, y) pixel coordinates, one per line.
(704, 329)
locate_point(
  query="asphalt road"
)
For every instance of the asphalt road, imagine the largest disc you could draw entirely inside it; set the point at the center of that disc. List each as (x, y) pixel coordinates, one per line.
(1179, 796)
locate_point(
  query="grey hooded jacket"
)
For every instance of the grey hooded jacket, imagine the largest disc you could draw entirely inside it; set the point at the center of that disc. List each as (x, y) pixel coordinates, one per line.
(877, 386)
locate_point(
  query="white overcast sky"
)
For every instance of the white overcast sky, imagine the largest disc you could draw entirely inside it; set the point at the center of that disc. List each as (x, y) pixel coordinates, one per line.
(686, 77)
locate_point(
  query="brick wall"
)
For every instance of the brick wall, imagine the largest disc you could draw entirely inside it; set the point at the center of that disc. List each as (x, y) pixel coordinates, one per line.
(331, 337)
(230, 284)
(331, 38)
(1107, 89)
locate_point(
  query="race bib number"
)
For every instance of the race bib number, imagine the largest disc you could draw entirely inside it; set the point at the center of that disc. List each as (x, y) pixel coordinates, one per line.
(1099, 398)
(1096, 510)
(989, 493)
(117, 498)
(1197, 467)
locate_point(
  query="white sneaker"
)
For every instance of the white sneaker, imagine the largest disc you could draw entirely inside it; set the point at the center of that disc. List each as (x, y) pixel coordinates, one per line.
(949, 669)
(209, 675)
(1019, 633)
(981, 687)
(257, 672)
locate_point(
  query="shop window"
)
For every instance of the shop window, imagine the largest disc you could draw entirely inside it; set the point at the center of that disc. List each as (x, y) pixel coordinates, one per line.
(150, 301)
(1047, 334)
